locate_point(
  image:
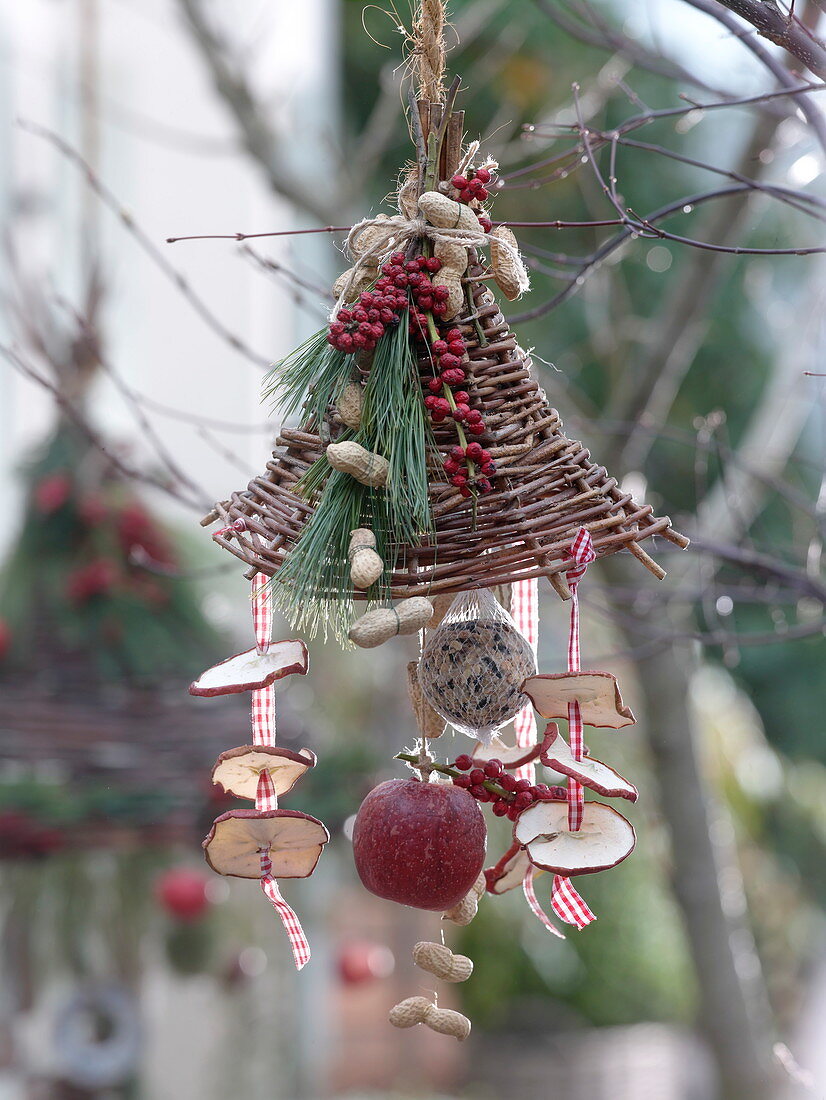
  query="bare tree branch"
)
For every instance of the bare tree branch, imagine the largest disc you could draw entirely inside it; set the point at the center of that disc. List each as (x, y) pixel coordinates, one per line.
(772, 433)
(783, 29)
(603, 36)
(78, 418)
(259, 138)
(812, 112)
(658, 373)
(110, 201)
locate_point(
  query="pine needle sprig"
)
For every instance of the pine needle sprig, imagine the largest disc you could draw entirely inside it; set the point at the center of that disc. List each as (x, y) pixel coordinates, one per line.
(313, 586)
(395, 425)
(315, 371)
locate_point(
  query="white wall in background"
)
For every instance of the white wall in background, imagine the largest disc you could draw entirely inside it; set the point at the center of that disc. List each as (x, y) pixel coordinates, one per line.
(168, 151)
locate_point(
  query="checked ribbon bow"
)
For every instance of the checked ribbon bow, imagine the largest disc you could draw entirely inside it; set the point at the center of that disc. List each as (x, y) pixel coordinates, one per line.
(263, 733)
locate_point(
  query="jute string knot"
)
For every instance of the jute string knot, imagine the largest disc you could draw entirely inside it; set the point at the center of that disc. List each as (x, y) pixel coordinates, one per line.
(383, 235)
(357, 547)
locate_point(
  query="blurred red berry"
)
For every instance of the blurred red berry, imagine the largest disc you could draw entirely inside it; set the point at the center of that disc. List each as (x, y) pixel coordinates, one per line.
(51, 493)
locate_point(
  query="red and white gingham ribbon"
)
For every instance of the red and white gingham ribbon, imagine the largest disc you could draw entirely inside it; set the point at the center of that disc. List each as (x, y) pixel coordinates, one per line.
(537, 910)
(263, 733)
(239, 525)
(262, 707)
(265, 796)
(292, 925)
(566, 901)
(525, 612)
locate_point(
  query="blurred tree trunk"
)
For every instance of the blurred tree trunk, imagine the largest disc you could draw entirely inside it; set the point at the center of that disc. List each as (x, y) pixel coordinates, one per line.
(733, 1009)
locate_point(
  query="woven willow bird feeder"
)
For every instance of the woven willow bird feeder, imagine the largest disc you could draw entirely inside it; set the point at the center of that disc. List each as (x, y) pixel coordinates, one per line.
(545, 488)
(429, 468)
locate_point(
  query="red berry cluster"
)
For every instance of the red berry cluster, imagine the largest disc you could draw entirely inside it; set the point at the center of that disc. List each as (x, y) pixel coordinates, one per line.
(447, 399)
(427, 298)
(406, 284)
(472, 186)
(516, 794)
(472, 454)
(362, 326)
(448, 353)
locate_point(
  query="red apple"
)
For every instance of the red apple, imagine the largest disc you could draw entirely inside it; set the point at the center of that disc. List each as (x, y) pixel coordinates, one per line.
(419, 844)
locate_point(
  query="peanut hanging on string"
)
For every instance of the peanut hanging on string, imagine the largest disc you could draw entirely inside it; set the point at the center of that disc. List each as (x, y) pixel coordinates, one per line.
(463, 912)
(441, 962)
(418, 1010)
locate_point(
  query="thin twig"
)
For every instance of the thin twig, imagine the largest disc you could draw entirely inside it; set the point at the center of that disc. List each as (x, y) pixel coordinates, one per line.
(110, 201)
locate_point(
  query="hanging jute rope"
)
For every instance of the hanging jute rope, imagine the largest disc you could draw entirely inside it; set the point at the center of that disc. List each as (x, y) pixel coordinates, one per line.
(429, 50)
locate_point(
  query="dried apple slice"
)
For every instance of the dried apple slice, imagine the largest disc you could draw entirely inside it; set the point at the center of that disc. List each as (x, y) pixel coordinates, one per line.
(509, 872)
(515, 756)
(589, 772)
(293, 840)
(237, 770)
(605, 839)
(251, 670)
(598, 695)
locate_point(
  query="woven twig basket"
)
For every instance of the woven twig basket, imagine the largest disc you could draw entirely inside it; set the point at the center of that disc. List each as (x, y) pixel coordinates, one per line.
(546, 486)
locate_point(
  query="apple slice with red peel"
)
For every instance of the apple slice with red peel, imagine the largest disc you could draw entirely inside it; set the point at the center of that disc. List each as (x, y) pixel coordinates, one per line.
(598, 695)
(605, 839)
(589, 772)
(237, 770)
(251, 670)
(293, 840)
(509, 872)
(515, 756)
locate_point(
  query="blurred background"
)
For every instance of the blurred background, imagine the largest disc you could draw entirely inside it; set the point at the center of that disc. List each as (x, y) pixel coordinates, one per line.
(129, 402)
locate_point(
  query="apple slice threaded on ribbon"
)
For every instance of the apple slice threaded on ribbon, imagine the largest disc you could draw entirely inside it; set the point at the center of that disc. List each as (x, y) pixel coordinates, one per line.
(293, 840)
(597, 693)
(237, 770)
(589, 772)
(251, 670)
(605, 838)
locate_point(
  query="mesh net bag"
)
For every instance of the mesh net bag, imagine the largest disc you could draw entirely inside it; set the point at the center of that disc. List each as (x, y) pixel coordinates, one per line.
(473, 665)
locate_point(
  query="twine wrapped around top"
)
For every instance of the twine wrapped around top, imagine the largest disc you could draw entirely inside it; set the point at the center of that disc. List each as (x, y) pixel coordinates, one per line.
(371, 240)
(429, 49)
